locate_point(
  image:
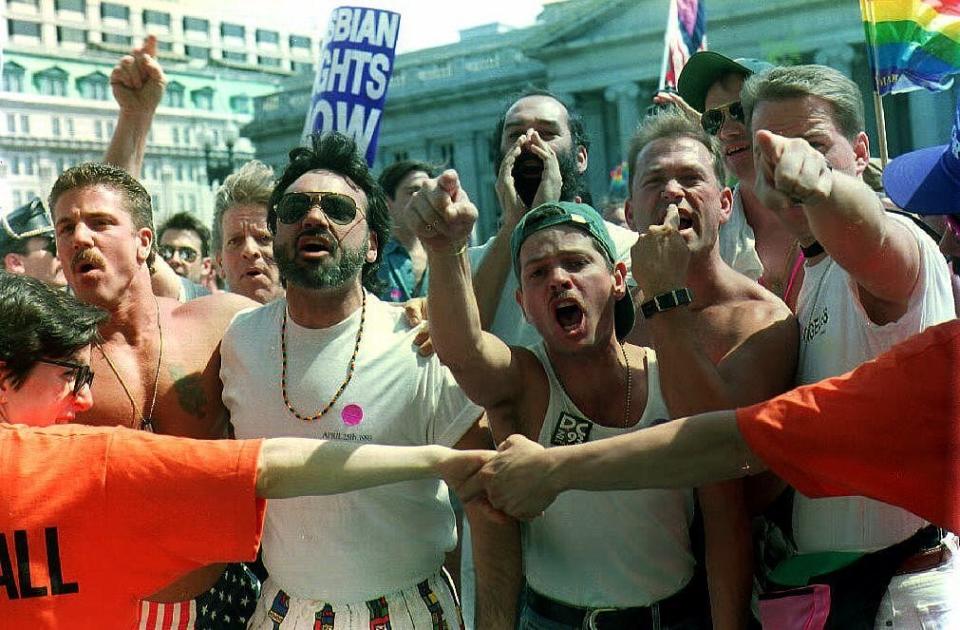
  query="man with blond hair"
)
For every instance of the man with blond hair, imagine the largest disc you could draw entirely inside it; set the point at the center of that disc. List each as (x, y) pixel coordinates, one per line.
(242, 242)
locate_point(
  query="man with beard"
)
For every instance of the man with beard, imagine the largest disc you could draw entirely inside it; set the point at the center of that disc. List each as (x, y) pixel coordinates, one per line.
(541, 156)
(27, 246)
(331, 360)
(241, 239)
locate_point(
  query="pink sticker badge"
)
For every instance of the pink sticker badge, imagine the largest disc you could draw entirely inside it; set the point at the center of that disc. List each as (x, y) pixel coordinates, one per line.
(352, 415)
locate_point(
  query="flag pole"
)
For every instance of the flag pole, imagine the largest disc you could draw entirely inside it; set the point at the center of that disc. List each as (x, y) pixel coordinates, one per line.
(871, 28)
(671, 19)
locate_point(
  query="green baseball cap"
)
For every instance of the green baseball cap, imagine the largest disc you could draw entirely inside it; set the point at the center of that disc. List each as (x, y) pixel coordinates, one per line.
(586, 219)
(705, 68)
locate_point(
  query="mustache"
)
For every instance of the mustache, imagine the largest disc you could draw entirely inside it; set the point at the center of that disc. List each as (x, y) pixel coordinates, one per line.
(320, 233)
(87, 256)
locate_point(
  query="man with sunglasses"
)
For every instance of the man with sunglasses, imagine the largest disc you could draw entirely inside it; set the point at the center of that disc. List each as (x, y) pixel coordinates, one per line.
(872, 279)
(331, 360)
(711, 83)
(185, 245)
(27, 246)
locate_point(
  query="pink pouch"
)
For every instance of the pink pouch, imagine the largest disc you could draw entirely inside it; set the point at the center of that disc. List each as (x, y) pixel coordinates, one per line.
(804, 608)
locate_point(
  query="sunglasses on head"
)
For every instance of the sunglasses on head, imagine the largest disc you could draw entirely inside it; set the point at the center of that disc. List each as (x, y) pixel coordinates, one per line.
(82, 374)
(339, 208)
(712, 119)
(186, 254)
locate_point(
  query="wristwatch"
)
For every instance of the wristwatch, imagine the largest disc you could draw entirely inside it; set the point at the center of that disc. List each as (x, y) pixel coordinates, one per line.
(666, 301)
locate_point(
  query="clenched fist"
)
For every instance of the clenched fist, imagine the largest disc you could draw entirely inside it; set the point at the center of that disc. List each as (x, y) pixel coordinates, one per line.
(442, 214)
(138, 80)
(790, 172)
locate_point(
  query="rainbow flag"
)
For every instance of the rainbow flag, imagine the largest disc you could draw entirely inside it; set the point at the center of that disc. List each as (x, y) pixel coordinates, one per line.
(912, 44)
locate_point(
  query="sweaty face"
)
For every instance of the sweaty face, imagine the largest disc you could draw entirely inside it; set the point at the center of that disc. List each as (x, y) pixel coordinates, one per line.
(567, 290)
(812, 118)
(734, 138)
(46, 396)
(316, 252)
(405, 190)
(679, 171)
(246, 255)
(99, 245)
(177, 247)
(549, 118)
(41, 263)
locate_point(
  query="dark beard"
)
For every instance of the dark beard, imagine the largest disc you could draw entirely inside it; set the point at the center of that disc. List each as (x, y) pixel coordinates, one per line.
(573, 182)
(324, 274)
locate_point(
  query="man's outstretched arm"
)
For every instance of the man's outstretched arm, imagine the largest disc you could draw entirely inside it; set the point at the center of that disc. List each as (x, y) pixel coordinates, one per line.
(294, 467)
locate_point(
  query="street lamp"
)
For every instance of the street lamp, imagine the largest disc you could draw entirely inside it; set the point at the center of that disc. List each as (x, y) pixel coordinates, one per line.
(218, 170)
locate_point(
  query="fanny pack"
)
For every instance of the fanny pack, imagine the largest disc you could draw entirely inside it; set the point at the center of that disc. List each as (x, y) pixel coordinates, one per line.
(850, 595)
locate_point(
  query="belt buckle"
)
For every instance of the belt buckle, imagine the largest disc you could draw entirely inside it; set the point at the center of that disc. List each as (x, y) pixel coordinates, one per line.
(590, 619)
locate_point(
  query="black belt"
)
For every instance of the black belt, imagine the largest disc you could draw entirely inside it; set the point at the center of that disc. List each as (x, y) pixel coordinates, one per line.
(681, 603)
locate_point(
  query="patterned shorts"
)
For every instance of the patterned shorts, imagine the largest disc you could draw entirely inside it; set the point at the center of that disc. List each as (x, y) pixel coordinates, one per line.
(228, 605)
(429, 605)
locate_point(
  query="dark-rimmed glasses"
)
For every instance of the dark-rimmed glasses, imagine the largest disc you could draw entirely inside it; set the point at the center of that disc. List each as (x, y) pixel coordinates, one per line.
(186, 254)
(339, 208)
(82, 374)
(712, 119)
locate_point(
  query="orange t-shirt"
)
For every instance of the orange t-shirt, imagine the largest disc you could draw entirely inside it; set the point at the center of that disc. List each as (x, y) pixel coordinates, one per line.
(888, 430)
(94, 519)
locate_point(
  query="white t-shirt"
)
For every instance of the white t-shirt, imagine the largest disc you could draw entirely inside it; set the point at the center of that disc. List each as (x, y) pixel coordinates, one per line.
(358, 545)
(607, 549)
(509, 324)
(738, 243)
(836, 335)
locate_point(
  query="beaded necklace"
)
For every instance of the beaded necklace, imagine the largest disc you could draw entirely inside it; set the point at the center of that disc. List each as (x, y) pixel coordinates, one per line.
(343, 385)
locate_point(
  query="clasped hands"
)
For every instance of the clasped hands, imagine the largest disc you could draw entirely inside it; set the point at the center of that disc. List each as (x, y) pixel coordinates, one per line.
(518, 480)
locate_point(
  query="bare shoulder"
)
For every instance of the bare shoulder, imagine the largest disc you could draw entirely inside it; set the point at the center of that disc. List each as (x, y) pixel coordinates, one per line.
(213, 311)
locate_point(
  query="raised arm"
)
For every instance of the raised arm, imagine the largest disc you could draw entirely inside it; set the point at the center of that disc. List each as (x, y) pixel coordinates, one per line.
(485, 367)
(845, 216)
(138, 83)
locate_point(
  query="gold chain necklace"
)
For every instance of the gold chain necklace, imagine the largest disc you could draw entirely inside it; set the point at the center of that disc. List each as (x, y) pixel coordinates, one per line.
(146, 422)
(626, 406)
(343, 385)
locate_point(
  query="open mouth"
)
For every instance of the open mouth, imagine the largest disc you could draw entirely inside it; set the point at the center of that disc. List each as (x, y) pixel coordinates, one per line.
(569, 316)
(86, 267)
(313, 246)
(529, 166)
(685, 223)
(736, 149)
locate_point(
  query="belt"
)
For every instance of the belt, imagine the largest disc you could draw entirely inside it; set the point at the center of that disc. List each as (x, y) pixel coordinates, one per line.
(924, 560)
(637, 618)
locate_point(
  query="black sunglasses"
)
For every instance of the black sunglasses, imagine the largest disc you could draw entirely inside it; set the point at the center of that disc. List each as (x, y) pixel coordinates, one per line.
(339, 208)
(82, 374)
(712, 119)
(187, 254)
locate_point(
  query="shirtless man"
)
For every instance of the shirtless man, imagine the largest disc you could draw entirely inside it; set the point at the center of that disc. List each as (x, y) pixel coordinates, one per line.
(734, 343)
(160, 356)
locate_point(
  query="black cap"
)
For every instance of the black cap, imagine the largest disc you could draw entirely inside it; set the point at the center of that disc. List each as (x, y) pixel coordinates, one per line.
(25, 222)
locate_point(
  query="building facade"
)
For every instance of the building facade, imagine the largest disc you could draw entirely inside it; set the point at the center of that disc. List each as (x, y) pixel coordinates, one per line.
(57, 108)
(603, 56)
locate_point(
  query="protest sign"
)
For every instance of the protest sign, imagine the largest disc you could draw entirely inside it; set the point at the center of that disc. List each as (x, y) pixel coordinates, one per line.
(352, 78)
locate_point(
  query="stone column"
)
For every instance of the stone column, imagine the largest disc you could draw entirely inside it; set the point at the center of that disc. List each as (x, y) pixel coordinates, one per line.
(624, 97)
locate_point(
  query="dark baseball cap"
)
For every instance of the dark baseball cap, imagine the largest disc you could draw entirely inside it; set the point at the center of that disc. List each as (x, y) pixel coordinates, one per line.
(584, 218)
(28, 221)
(706, 67)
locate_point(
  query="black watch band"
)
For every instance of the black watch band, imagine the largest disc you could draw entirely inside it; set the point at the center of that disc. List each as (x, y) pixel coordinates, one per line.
(666, 301)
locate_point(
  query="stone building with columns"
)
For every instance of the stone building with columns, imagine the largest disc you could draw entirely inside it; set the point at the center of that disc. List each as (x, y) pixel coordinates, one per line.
(604, 56)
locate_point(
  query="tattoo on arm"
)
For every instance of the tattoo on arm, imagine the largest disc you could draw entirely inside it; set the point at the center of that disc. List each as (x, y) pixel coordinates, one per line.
(190, 394)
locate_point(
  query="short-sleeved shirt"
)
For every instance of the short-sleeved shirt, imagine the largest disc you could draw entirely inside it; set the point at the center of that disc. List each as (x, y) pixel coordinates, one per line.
(889, 429)
(358, 545)
(396, 274)
(92, 519)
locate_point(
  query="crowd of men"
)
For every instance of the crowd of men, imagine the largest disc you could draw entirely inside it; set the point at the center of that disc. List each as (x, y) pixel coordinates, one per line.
(563, 330)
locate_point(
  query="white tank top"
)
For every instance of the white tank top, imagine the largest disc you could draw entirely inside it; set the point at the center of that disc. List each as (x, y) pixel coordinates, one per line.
(607, 549)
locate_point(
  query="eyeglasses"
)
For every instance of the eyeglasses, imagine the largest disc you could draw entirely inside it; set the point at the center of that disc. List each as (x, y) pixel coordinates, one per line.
(82, 374)
(339, 208)
(712, 119)
(186, 254)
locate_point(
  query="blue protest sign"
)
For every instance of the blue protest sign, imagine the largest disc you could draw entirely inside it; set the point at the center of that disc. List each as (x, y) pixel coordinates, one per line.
(355, 67)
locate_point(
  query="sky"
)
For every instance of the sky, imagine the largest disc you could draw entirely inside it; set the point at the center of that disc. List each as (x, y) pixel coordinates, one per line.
(423, 23)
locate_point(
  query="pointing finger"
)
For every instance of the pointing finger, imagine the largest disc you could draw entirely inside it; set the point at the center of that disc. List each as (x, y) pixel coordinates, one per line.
(672, 219)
